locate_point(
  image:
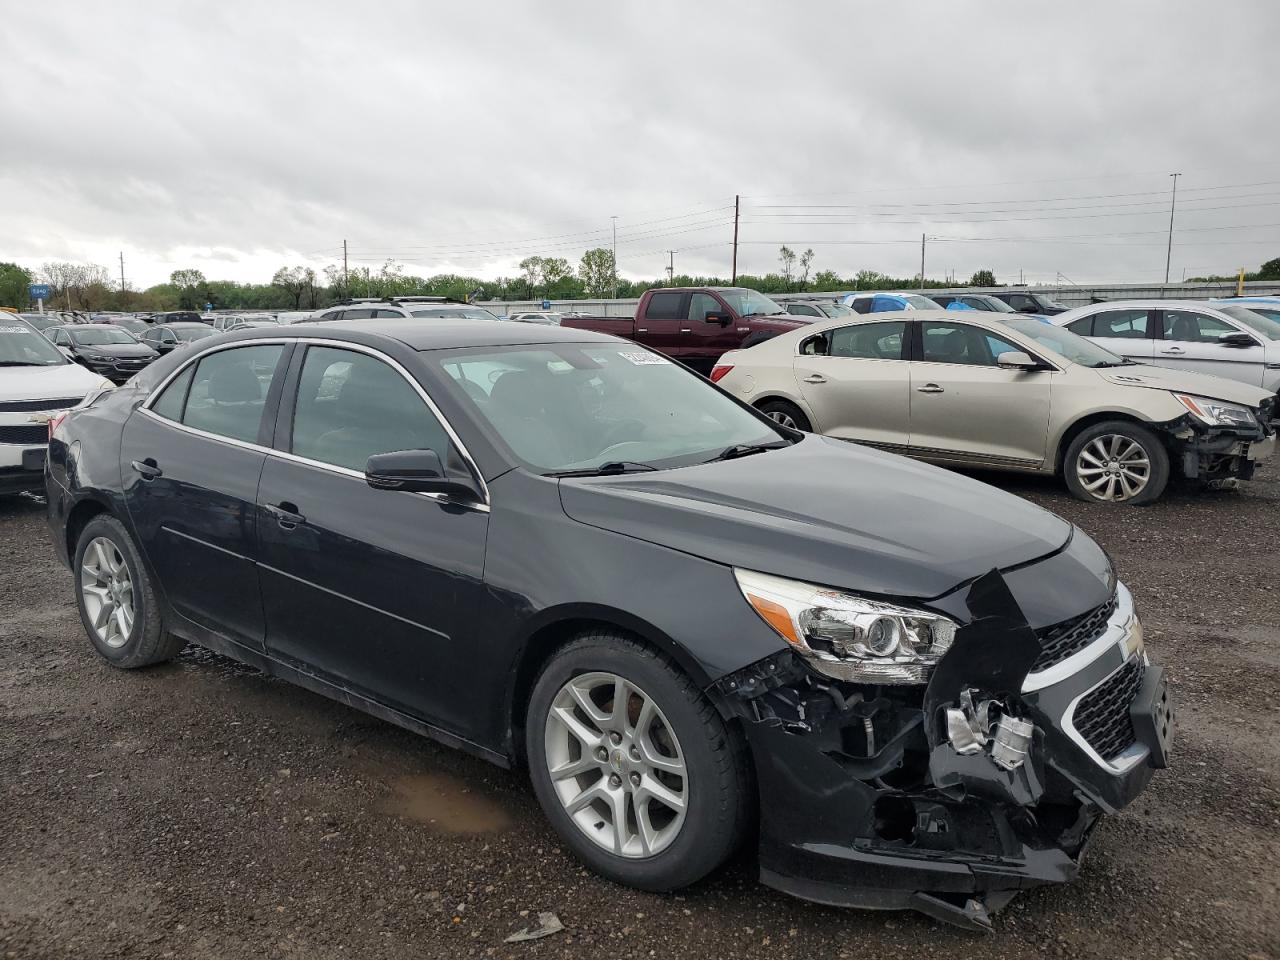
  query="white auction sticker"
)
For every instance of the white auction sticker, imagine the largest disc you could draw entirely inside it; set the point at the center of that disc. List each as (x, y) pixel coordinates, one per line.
(15, 330)
(640, 359)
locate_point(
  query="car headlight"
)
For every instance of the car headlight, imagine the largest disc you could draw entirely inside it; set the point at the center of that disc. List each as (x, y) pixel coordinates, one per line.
(1218, 413)
(846, 636)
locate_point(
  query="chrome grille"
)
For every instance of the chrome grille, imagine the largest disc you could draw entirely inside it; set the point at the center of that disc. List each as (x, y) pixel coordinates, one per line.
(1071, 636)
(1102, 716)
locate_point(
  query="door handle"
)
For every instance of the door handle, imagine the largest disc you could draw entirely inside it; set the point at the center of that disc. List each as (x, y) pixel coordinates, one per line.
(930, 388)
(147, 469)
(1173, 350)
(685, 330)
(815, 378)
(286, 514)
(642, 329)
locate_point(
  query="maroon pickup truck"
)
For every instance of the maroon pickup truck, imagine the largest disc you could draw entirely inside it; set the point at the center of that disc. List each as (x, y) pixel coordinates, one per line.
(695, 325)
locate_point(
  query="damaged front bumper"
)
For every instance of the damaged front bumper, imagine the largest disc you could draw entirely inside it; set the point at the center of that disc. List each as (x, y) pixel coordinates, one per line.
(1213, 455)
(952, 801)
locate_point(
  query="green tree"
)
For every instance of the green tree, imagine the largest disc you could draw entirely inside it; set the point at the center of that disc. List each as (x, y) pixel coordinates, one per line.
(13, 286)
(1269, 270)
(806, 261)
(828, 280)
(787, 257)
(982, 278)
(297, 282)
(597, 272)
(192, 288)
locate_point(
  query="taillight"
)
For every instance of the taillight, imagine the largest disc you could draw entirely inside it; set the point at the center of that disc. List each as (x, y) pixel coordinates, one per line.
(56, 419)
(719, 371)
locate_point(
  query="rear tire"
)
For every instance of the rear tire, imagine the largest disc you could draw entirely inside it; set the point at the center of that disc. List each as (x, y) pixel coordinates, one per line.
(786, 413)
(619, 765)
(117, 603)
(1116, 462)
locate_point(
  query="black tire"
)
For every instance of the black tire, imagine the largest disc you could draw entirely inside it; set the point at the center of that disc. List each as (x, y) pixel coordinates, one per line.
(147, 642)
(1156, 456)
(786, 413)
(717, 788)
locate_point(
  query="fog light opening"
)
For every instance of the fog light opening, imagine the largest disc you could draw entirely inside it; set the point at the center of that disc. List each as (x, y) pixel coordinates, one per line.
(895, 819)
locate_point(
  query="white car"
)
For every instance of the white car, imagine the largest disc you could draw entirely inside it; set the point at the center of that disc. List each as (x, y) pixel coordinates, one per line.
(36, 382)
(1222, 339)
(536, 316)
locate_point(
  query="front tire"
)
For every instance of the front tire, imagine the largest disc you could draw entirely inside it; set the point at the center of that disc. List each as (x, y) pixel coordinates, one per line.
(633, 766)
(787, 414)
(1116, 462)
(117, 603)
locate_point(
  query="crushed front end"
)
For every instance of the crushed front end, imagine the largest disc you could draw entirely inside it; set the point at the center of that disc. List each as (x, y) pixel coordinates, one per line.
(1217, 443)
(951, 794)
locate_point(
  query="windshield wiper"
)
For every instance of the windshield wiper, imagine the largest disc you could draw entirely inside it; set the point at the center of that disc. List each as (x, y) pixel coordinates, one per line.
(610, 469)
(746, 449)
(1122, 363)
(23, 363)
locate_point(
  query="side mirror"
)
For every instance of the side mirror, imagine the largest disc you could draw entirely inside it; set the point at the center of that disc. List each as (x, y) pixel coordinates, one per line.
(716, 316)
(1017, 360)
(1237, 340)
(418, 471)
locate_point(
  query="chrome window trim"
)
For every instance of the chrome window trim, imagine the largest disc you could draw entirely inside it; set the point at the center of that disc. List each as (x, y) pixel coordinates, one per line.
(146, 405)
(1120, 630)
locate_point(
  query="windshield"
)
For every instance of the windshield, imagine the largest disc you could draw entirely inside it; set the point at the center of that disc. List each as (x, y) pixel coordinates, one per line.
(1065, 343)
(917, 301)
(194, 333)
(1049, 302)
(1258, 318)
(573, 406)
(98, 336)
(996, 304)
(748, 303)
(834, 309)
(456, 313)
(21, 346)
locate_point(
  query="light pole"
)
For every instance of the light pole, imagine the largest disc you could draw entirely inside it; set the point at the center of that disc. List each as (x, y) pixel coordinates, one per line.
(1173, 205)
(615, 256)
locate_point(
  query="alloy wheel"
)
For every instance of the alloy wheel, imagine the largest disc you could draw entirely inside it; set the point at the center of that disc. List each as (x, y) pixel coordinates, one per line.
(1113, 467)
(616, 765)
(107, 591)
(778, 416)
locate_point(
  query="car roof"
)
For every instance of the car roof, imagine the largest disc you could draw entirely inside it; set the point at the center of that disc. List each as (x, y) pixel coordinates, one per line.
(436, 334)
(183, 325)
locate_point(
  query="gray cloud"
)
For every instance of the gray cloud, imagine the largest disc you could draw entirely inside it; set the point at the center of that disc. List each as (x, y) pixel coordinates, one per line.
(235, 137)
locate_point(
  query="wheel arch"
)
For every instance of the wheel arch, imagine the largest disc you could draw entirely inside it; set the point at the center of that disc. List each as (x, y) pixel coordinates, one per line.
(78, 518)
(555, 628)
(759, 401)
(1079, 425)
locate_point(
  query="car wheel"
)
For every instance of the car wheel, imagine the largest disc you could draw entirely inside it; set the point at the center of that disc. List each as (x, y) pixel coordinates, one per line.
(633, 766)
(1116, 462)
(787, 414)
(117, 603)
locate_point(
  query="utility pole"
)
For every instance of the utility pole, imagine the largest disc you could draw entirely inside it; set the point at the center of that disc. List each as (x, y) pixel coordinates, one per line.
(922, 240)
(122, 278)
(344, 267)
(671, 267)
(736, 201)
(1173, 204)
(615, 256)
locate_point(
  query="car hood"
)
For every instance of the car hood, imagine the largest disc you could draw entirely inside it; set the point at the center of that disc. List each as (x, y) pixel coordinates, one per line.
(1183, 381)
(46, 383)
(827, 512)
(123, 350)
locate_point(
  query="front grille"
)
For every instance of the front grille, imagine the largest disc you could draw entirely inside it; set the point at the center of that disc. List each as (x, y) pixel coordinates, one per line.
(20, 406)
(1102, 717)
(31, 436)
(1071, 636)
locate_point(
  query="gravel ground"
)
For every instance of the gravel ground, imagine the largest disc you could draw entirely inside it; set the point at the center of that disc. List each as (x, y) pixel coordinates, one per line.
(200, 809)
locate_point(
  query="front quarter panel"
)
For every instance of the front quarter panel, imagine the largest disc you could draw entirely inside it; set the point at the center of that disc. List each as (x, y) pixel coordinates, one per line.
(1079, 393)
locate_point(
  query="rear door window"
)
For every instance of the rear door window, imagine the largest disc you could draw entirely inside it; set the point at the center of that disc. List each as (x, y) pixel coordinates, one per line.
(868, 341)
(1122, 324)
(229, 391)
(665, 306)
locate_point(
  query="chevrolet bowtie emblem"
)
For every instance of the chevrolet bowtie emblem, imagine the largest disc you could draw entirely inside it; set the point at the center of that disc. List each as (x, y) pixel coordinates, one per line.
(40, 418)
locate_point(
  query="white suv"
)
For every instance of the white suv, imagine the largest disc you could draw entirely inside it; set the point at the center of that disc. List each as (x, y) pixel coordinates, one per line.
(36, 382)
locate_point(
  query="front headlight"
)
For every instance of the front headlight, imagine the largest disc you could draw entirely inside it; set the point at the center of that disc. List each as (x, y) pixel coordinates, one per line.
(1218, 413)
(846, 636)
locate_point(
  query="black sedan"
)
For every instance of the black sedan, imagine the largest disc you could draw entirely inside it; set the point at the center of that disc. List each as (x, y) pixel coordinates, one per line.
(559, 550)
(104, 348)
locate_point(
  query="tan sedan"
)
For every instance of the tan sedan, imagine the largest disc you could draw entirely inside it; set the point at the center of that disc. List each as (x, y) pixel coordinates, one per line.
(1014, 394)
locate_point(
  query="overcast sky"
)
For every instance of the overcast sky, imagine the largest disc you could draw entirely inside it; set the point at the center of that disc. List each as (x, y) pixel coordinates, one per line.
(237, 137)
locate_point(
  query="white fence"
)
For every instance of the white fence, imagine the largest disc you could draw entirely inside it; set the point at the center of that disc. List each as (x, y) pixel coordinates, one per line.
(1071, 295)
